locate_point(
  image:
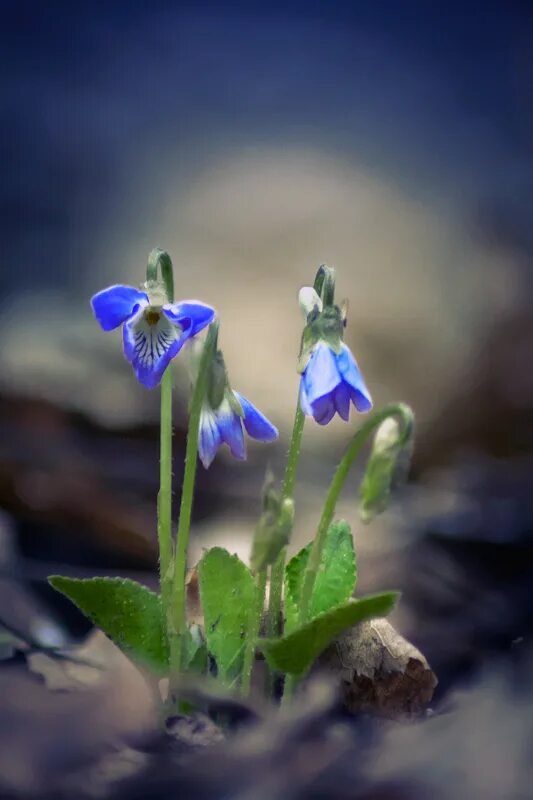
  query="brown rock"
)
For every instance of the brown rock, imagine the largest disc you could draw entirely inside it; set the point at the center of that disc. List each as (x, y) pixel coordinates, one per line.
(380, 671)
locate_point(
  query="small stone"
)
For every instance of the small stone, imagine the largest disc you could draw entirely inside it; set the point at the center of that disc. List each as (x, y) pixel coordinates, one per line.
(380, 671)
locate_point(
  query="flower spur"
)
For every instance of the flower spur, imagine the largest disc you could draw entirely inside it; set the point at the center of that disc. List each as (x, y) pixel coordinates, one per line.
(154, 330)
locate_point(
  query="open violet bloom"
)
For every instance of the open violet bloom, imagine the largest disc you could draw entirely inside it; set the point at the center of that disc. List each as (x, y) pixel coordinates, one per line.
(224, 425)
(154, 330)
(331, 379)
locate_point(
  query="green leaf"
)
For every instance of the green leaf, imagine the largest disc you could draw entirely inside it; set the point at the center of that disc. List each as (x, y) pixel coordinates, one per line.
(296, 652)
(127, 612)
(227, 591)
(336, 578)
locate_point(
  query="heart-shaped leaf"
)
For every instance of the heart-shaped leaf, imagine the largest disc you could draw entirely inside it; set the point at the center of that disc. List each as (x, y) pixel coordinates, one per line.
(296, 652)
(227, 592)
(127, 612)
(335, 581)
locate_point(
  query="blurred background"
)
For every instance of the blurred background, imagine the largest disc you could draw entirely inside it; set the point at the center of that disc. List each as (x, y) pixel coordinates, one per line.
(255, 141)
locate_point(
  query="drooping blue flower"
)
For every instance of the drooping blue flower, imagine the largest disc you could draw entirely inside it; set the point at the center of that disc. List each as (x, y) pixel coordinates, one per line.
(223, 424)
(330, 382)
(154, 331)
(331, 379)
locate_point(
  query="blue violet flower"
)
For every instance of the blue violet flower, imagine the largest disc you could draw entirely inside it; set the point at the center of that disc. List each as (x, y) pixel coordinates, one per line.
(331, 379)
(223, 415)
(154, 330)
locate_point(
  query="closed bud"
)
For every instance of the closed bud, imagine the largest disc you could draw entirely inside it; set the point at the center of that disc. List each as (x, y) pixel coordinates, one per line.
(387, 467)
(273, 529)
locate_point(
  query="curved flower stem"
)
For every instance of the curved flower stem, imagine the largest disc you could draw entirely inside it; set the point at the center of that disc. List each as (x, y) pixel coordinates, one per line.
(164, 498)
(178, 594)
(160, 260)
(352, 451)
(254, 624)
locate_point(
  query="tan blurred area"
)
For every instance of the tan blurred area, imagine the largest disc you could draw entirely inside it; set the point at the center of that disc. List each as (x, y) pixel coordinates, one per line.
(246, 232)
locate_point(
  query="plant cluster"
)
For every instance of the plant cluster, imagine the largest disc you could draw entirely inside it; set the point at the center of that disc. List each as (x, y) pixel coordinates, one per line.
(310, 598)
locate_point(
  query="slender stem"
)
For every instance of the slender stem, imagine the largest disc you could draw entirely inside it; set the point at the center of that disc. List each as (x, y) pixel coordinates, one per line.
(178, 596)
(324, 285)
(160, 260)
(352, 451)
(164, 498)
(254, 624)
(278, 568)
(291, 682)
(274, 626)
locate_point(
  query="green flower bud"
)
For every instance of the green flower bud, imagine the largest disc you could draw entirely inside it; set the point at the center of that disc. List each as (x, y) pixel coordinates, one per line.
(273, 529)
(387, 467)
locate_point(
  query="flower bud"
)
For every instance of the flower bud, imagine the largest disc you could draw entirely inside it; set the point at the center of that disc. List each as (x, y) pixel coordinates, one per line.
(387, 467)
(273, 529)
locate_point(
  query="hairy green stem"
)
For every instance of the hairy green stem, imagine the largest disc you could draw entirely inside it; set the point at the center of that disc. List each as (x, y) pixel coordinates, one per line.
(315, 557)
(324, 285)
(352, 451)
(164, 498)
(254, 623)
(278, 568)
(160, 261)
(274, 626)
(178, 595)
(291, 682)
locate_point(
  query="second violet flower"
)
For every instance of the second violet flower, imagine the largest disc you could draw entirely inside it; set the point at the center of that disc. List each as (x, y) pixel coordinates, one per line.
(224, 413)
(330, 378)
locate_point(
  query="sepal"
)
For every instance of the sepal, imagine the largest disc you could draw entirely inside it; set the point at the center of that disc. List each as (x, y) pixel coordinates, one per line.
(325, 326)
(310, 302)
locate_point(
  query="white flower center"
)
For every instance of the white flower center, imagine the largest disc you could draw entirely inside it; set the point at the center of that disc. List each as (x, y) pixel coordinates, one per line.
(153, 334)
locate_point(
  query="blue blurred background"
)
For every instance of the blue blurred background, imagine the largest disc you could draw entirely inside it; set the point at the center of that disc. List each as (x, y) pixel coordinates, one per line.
(254, 141)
